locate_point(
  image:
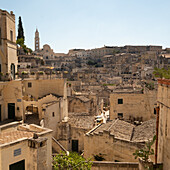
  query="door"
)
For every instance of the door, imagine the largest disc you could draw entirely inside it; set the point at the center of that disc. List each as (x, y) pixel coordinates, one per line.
(13, 71)
(11, 110)
(75, 145)
(18, 165)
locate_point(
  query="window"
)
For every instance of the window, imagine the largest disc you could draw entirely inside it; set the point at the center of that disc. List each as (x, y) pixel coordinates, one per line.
(155, 111)
(53, 114)
(11, 35)
(120, 101)
(120, 115)
(29, 84)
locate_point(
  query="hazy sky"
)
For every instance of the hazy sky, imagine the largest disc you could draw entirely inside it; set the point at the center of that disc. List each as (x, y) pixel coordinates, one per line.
(67, 24)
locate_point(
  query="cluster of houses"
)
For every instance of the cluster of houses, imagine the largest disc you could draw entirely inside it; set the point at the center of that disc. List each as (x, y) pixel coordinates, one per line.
(100, 102)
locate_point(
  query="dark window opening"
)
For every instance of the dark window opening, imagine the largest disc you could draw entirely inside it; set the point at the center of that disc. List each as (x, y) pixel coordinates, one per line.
(75, 145)
(29, 84)
(155, 111)
(120, 101)
(120, 115)
(11, 35)
(11, 110)
(18, 165)
(53, 114)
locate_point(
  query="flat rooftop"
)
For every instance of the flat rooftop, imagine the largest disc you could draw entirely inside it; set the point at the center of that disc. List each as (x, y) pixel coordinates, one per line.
(16, 131)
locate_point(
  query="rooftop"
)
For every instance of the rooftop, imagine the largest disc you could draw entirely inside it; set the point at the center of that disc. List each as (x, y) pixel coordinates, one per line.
(127, 131)
(15, 131)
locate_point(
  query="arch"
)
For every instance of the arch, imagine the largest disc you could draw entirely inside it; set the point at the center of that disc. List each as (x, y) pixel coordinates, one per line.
(13, 71)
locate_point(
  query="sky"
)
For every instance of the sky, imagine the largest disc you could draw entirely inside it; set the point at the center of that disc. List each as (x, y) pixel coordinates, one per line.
(87, 24)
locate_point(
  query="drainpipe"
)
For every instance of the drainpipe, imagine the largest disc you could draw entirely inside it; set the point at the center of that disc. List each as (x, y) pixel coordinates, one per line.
(157, 128)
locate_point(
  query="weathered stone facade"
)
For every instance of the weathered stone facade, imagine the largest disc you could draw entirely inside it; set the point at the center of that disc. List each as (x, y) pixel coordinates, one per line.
(18, 146)
(163, 101)
(118, 140)
(132, 105)
(8, 47)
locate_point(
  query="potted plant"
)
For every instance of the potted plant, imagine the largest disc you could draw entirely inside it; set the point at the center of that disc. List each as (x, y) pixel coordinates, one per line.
(40, 72)
(143, 155)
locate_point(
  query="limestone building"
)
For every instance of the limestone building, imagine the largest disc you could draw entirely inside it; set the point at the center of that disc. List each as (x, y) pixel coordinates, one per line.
(117, 140)
(26, 147)
(163, 102)
(11, 103)
(132, 105)
(8, 47)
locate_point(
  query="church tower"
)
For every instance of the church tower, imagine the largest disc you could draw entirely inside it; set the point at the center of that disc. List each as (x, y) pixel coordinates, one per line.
(37, 41)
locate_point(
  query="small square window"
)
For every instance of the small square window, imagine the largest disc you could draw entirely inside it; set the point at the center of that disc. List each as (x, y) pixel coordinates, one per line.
(120, 115)
(53, 114)
(120, 101)
(29, 84)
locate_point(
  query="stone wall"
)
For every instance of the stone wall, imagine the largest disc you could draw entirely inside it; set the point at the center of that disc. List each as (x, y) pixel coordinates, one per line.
(11, 92)
(111, 149)
(134, 106)
(98, 165)
(8, 47)
(40, 88)
(163, 101)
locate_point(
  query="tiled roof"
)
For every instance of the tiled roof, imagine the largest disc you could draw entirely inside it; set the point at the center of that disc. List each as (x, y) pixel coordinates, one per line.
(127, 131)
(145, 131)
(85, 122)
(82, 98)
(11, 136)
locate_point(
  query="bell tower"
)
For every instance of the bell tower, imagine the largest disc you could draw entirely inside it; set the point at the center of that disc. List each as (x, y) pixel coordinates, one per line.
(37, 41)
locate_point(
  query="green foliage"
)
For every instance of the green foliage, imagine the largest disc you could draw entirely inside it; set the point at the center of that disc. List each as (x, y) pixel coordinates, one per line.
(21, 38)
(41, 72)
(20, 30)
(24, 73)
(109, 84)
(150, 86)
(162, 73)
(20, 41)
(90, 62)
(146, 151)
(73, 161)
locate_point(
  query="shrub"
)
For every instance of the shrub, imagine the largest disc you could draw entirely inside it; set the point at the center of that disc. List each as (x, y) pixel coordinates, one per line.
(146, 151)
(72, 161)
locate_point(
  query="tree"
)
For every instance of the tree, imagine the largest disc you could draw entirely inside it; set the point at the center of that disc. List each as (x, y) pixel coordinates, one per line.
(162, 73)
(146, 151)
(20, 30)
(73, 161)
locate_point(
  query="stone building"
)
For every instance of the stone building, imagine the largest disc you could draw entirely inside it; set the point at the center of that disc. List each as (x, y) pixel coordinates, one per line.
(163, 102)
(43, 94)
(25, 147)
(11, 103)
(132, 105)
(80, 124)
(80, 104)
(8, 47)
(117, 140)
